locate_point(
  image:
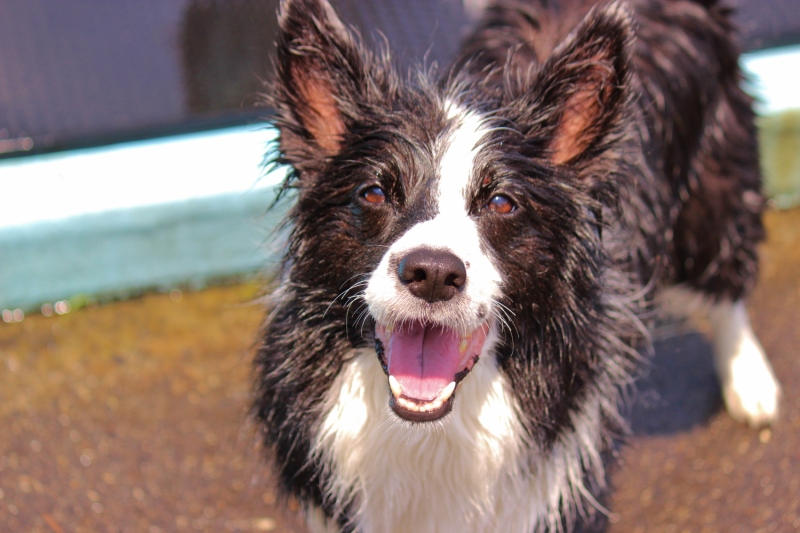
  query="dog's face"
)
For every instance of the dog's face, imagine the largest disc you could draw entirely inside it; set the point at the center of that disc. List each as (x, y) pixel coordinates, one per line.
(435, 216)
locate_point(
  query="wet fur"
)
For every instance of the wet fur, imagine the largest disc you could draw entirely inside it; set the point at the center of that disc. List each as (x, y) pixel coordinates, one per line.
(659, 186)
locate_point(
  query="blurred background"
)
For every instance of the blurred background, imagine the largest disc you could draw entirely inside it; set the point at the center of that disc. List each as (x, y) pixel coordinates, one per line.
(135, 130)
(135, 243)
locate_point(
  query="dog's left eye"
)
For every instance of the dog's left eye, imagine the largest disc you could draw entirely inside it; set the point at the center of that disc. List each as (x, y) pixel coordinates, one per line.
(373, 195)
(500, 204)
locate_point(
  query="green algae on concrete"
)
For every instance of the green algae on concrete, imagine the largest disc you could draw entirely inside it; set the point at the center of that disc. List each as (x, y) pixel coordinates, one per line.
(779, 140)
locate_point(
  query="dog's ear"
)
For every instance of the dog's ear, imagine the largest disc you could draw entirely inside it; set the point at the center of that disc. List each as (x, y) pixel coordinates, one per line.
(321, 74)
(582, 86)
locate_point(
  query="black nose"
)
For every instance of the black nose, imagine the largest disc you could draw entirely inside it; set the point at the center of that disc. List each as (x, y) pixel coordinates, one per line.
(433, 275)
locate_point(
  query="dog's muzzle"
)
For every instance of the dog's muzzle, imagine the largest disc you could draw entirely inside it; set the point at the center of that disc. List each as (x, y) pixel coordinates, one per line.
(423, 360)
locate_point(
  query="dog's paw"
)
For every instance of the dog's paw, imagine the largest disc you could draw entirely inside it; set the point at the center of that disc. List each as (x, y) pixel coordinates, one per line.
(751, 392)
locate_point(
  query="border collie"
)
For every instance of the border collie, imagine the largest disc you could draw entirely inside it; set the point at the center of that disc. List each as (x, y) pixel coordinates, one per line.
(475, 256)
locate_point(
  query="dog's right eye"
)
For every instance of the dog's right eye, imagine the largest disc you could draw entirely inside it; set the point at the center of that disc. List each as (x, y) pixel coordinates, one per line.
(500, 204)
(373, 195)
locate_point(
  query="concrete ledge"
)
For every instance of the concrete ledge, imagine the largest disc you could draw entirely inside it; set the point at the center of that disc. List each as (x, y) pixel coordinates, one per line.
(205, 219)
(117, 252)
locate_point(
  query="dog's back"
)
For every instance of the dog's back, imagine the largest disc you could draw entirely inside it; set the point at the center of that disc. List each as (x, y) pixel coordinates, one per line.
(700, 136)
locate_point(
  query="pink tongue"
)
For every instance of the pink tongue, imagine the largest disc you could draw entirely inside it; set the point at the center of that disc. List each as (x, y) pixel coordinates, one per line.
(424, 360)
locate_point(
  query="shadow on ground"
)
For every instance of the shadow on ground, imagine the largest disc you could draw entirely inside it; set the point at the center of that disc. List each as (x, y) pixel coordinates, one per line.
(679, 388)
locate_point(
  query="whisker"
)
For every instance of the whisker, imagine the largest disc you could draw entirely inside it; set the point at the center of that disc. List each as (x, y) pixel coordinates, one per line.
(503, 314)
(344, 294)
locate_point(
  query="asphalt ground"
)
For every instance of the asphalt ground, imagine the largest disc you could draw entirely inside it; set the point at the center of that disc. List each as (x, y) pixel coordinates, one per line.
(130, 416)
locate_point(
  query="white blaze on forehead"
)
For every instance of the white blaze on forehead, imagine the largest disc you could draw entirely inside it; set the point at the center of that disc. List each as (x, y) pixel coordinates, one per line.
(452, 229)
(457, 165)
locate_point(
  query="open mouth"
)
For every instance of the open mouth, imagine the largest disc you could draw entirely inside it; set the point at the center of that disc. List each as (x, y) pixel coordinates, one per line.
(424, 364)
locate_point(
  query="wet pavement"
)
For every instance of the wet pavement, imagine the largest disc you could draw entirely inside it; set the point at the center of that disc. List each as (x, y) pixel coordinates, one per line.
(130, 416)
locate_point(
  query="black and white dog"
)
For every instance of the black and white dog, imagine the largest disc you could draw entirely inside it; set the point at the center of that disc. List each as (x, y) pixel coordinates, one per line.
(475, 256)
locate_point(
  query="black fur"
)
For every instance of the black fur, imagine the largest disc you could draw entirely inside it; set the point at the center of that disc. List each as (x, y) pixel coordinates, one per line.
(660, 185)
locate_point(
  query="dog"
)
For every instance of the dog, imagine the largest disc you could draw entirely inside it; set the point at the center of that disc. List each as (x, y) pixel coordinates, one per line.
(476, 255)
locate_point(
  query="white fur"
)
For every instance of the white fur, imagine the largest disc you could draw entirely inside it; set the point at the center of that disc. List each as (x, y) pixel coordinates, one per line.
(749, 387)
(472, 471)
(456, 166)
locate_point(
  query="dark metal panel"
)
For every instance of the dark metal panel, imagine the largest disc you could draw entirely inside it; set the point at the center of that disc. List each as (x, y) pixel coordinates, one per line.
(768, 23)
(89, 72)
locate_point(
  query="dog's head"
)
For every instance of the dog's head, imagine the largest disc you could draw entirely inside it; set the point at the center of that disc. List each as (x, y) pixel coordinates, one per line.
(441, 216)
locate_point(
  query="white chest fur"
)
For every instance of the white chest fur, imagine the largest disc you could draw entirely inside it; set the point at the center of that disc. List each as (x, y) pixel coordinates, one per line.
(473, 471)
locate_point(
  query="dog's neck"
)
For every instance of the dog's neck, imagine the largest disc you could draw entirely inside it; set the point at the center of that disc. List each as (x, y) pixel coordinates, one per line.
(471, 471)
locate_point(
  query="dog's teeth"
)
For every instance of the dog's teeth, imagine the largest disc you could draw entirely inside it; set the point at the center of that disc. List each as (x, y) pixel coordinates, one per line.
(397, 389)
(446, 393)
(411, 406)
(464, 344)
(428, 407)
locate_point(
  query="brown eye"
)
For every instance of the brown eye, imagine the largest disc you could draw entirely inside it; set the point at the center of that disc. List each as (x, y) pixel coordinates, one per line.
(500, 204)
(374, 195)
